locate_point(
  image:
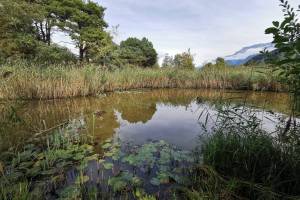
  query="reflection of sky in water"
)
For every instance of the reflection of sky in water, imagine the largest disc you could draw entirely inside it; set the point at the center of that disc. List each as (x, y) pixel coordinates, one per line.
(168, 114)
(177, 125)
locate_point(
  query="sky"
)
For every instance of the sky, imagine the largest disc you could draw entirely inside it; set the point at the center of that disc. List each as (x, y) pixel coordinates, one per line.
(210, 28)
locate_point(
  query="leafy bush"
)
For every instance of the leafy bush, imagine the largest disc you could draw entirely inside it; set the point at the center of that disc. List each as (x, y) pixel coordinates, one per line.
(53, 54)
(184, 60)
(138, 52)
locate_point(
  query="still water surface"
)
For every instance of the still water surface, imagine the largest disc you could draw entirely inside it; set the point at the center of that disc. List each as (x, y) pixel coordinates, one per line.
(138, 116)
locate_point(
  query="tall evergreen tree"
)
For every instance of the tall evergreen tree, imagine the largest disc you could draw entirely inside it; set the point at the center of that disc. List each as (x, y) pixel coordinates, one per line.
(84, 21)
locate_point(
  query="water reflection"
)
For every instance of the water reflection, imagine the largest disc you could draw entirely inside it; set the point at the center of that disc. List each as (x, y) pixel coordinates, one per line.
(168, 114)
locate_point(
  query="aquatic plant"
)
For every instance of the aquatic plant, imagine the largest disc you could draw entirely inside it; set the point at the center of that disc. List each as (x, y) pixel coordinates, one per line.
(39, 169)
(153, 163)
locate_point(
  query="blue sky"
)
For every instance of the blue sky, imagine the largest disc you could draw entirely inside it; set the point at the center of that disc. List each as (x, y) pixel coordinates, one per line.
(210, 28)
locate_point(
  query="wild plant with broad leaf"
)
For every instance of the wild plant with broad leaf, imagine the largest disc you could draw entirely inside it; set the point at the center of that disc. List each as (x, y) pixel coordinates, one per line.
(286, 37)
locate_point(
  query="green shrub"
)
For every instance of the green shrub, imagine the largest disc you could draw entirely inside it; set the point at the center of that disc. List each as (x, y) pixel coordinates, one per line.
(53, 54)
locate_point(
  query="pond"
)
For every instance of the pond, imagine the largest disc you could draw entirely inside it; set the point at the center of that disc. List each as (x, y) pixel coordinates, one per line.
(122, 145)
(171, 115)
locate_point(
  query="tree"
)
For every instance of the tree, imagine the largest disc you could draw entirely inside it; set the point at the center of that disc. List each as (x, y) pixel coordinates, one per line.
(138, 52)
(220, 61)
(104, 54)
(84, 21)
(168, 61)
(26, 25)
(16, 31)
(184, 60)
(44, 18)
(40, 15)
(207, 66)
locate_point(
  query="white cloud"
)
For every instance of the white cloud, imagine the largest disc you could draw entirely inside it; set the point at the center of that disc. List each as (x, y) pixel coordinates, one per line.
(211, 28)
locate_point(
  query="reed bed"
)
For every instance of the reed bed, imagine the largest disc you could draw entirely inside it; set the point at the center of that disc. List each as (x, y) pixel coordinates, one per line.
(32, 82)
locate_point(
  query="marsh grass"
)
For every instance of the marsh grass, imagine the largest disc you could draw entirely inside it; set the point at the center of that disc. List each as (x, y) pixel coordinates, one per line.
(244, 161)
(35, 82)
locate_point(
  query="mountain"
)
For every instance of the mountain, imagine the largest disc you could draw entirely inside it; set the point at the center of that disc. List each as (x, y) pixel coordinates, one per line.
(248, 53)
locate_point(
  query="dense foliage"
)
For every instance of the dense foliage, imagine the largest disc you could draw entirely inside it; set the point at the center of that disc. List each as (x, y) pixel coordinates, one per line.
(27, 29)
(184, 60)
(286, 36)
(138, 52)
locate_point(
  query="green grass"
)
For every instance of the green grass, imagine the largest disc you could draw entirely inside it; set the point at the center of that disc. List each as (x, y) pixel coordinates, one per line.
(247, 162)
(254, 159)
(33, 82)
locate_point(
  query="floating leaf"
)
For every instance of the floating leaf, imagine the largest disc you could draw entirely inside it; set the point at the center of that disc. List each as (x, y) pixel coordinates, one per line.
(155, 181)
(101, 161)
(136, 181)
(164, 177)
(82, 179)
(93, 157)
(106, 146)
(71, 192)
(117, 184)
(108, 154)
(108, 165)
(116, 156)
(108, 140)
(131, 159)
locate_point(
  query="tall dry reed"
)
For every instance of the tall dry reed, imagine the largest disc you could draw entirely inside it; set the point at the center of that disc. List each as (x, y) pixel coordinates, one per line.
(70, 81)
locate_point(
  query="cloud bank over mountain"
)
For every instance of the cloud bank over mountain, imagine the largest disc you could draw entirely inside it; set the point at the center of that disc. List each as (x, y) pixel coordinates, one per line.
(209, 28)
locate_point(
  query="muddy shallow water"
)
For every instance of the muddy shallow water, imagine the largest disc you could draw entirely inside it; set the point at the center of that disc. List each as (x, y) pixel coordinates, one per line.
(137, 116)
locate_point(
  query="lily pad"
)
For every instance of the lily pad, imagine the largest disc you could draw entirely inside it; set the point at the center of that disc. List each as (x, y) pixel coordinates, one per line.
(117, 184)
(155, 181)
(107, 146)
(108, 165)
(82, 179)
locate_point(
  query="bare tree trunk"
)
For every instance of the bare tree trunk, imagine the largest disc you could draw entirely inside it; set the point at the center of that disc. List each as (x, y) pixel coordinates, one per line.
(81, 53)
(48, 32)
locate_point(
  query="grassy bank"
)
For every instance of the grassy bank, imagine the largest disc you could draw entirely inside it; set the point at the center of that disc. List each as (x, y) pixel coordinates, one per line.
(32, 82)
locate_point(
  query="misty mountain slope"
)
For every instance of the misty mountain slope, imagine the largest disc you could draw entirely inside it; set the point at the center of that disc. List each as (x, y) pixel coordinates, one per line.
(247, 53)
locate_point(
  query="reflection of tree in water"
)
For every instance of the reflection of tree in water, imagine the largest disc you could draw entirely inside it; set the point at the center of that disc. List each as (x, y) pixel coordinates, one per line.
(134, 107)
(138, 112)
(140, 107)
(297, 105)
